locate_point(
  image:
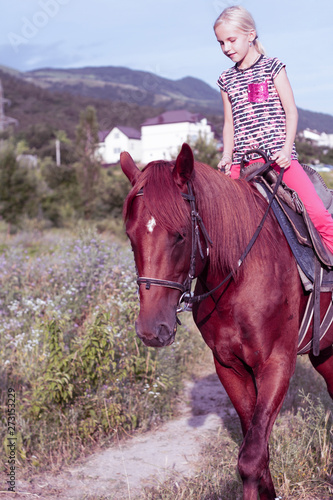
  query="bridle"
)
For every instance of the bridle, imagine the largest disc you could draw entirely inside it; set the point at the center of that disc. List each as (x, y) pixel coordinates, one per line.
(196, 224)
(187, 296)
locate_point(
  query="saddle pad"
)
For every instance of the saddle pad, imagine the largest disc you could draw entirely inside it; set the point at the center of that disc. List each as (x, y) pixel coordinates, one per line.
(304, 255)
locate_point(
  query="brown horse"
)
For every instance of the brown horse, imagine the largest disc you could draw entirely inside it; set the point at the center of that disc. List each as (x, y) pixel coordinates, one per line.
(251, 322)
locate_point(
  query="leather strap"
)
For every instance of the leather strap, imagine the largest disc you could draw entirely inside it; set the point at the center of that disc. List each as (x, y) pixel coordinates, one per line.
(324, 327)
(316, 312)
(158, 282)
(198, 298)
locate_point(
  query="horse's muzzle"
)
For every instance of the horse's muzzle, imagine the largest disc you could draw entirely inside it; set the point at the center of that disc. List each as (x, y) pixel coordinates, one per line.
(160, 336)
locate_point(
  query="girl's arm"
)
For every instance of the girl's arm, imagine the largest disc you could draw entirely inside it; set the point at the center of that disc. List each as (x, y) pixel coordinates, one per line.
(228, 135)
(283, 87)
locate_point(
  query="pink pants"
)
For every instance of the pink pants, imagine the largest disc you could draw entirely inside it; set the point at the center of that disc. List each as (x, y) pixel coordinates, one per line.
(297, 179)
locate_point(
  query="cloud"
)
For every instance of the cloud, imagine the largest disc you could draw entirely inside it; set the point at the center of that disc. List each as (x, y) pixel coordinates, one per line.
(31, 56)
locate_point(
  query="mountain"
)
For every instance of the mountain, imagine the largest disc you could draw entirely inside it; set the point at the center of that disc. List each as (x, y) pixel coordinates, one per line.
(136, 95)
(45, 111)
(125, 85)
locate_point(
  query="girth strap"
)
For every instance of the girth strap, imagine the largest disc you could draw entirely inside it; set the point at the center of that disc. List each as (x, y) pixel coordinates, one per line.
(316, 312)
(320, 329)
(325, 325)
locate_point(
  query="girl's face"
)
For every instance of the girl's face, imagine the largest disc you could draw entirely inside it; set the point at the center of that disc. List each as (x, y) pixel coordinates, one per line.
(234, 43)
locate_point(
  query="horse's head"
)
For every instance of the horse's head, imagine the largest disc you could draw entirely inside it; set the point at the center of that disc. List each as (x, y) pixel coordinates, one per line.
(158, 224)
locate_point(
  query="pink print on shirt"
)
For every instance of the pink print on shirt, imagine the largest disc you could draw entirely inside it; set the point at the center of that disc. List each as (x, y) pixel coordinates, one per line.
(257, 92)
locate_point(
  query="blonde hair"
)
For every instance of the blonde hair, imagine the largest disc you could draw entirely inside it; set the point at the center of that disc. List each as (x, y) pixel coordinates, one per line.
(241, 19)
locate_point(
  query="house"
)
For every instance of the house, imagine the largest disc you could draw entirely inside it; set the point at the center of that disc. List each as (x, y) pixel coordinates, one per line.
(163, 135)
(160, 139)
(320, 139)
(113, 142)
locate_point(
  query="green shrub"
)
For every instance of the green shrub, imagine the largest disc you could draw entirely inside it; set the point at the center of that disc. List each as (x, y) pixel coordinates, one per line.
(69, 348)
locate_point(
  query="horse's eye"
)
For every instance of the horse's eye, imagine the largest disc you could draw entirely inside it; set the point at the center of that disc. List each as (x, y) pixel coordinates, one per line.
(180, 238)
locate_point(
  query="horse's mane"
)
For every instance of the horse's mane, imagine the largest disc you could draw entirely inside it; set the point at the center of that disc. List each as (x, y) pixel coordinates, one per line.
(162, 196)
(231, 210)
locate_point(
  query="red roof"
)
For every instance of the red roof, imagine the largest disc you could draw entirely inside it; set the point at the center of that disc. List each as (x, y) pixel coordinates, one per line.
(102, 135)
(130, 132)
(176, 116)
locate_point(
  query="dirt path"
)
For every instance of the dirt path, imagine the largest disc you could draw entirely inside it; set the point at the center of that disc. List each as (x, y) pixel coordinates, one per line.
(121, 470)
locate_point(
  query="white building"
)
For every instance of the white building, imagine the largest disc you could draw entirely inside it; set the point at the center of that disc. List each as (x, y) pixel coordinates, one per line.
(113, 142)
(163, 135)
(323, 139)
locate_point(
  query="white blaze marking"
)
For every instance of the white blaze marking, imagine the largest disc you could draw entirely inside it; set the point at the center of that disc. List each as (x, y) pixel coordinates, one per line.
(151, 224)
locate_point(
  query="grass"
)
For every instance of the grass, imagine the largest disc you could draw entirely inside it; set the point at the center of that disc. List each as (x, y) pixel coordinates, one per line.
(301, 447)
(68, 347)
(328, 178)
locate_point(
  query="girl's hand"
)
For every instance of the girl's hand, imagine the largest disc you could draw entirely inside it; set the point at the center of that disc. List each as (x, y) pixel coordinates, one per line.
(282, 159)
(224, 164)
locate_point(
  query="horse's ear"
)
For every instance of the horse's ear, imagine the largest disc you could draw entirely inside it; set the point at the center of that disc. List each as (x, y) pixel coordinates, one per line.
(184, 165)
(129, 167)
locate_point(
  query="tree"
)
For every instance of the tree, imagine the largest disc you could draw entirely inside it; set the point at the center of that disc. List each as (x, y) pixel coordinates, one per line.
(327, 156)
(18, 187)
(206, 152)
(88, 166)
(113, 187)
(307, 152)
(60, 199)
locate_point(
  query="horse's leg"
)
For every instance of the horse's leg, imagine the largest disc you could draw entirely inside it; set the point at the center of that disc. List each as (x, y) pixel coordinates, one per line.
(241, 389)
(324, 365)
(272, 379)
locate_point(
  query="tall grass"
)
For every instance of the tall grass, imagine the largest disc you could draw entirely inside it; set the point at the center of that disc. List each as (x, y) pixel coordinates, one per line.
(301, 447)
(68, 347)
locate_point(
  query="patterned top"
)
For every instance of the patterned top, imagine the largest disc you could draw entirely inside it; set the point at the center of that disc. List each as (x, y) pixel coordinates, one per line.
(259, 118)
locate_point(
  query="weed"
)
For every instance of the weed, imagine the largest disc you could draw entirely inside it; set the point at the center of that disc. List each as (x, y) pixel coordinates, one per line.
(301, 460)
(69, 348)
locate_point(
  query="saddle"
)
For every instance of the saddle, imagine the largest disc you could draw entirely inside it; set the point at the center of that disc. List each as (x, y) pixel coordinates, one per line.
(292, 207)
(314, 260)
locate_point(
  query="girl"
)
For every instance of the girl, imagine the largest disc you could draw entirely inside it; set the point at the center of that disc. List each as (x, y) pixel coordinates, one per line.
(260, 112)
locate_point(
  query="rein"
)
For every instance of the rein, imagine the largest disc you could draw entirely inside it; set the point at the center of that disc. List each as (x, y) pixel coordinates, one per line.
(203, 296)
(187, 295)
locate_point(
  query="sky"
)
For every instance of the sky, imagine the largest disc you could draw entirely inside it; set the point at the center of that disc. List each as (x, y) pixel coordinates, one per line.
(171, 38)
